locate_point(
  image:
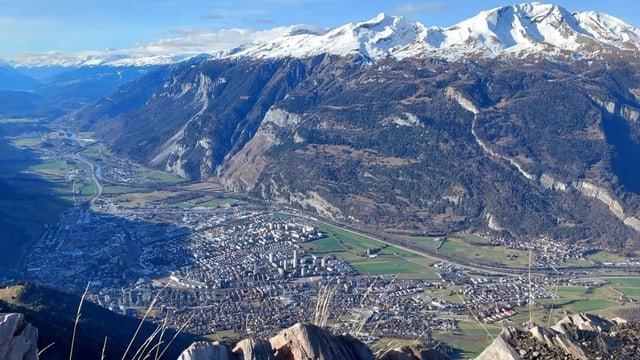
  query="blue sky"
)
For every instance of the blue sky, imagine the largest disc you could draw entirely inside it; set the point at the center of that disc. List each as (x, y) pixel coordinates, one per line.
(33, 26)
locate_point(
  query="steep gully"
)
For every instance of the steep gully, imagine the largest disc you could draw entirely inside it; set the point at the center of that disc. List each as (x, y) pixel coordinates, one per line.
(546, 180)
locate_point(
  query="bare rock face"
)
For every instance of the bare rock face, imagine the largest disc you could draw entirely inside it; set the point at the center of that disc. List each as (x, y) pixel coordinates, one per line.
(18, 338)
(583, 321)
(501, 348)
(203, 350)
(580, 336)
(413, 352)
(309, 342)
(254, 349)
(304, 342)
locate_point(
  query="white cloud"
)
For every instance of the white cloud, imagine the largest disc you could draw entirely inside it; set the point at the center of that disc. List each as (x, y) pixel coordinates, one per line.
(199, 41)
(185, 43)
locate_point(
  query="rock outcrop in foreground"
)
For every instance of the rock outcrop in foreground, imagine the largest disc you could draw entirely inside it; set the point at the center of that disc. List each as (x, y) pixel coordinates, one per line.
(302, 342)
(576, 337)
(580, 336)
(18, 338)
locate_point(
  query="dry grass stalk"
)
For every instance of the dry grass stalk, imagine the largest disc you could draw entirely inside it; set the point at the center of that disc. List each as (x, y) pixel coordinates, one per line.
(151, 306)
(77, 320)
(322, 305)
(45, 349)
(530, 292)
(173, 338)
(382, 352)
(142, 349)
(104, 349)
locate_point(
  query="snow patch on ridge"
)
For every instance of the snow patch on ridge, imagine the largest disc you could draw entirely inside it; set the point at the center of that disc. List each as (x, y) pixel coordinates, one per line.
(518, 30)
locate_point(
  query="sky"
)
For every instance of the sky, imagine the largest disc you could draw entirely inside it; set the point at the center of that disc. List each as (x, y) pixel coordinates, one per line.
(39, 26)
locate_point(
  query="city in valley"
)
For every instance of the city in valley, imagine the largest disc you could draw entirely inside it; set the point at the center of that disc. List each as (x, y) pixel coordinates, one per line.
(228, 266)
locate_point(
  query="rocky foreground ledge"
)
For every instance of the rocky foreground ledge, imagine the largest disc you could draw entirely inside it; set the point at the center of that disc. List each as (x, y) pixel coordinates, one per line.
(18, 338)
(304, 342)
(580, 336)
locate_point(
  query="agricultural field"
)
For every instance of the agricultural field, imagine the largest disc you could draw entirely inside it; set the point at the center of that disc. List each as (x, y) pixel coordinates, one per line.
(157, 177)
(56, 169)
(384, 259)
(478, 249)
(628, 286)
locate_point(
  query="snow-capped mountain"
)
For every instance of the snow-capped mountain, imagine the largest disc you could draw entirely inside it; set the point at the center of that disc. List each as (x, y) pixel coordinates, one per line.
(517, 30)
(97, 58)
(376, 38)
(533, 28)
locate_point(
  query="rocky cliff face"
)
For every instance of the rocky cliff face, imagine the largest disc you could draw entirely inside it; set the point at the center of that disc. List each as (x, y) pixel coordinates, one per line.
(580, 336)
(576, 337)
(517, 147)
(18, 338)
(304, 342)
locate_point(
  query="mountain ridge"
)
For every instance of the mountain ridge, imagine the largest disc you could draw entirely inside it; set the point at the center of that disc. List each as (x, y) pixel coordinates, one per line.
(407, 145)
(522, 30)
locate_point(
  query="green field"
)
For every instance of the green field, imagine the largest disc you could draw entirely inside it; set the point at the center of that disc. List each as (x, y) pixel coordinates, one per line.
(87, 188)
(352, 241)
(94, 151)
(627, 286)
(382, 266)
(156, 176)
(58, 169)
(26, 142)
(474, 238)
(141, 198)
(389, 260)
(220, 202)
(120, 189)
(470, 247)
(326, 245)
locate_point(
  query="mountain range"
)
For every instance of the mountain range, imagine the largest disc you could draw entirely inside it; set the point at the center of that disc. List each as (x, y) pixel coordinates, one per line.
(518, 30)
(521, 121)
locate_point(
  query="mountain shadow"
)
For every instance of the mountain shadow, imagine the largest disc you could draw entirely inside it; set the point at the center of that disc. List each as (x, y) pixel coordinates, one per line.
(626, 147)
(27, 201)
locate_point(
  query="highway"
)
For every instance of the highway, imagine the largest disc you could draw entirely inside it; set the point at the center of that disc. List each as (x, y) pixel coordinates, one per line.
(94, 177)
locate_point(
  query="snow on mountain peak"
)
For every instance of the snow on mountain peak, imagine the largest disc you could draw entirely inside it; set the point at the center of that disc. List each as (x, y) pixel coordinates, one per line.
(374, 39)
(518, 30)
(535, 28)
